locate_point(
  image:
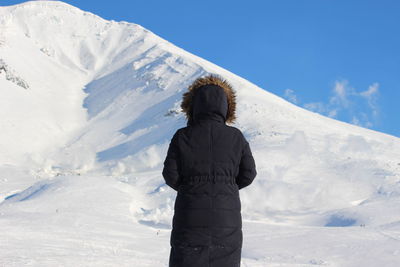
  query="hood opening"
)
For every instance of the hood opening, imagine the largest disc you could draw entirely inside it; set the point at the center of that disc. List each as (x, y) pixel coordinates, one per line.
(210, 102)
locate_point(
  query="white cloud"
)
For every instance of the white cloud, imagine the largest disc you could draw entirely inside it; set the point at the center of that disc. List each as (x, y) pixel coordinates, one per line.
(355, 121)
(371, 95)
(363, 122)
(360, 108)
(371, 92)
(341, 91)
(289, 95)
(332, 113)
(316, 107)
(322, 108)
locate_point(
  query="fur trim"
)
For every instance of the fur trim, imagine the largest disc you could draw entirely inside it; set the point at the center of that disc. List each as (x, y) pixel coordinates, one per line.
(186, 104)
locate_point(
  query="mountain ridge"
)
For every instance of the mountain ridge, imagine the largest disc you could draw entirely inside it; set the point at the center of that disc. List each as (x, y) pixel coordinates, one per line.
(107, 94)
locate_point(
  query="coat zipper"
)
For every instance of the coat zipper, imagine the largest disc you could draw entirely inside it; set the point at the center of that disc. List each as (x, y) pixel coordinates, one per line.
(211, 154)
(211, 180)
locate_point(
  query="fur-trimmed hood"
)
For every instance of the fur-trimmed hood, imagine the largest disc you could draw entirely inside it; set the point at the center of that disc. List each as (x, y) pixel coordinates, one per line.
(209, 96)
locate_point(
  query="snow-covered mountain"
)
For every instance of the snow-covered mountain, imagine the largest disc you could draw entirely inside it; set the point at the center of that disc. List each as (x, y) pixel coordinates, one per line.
(87, 110)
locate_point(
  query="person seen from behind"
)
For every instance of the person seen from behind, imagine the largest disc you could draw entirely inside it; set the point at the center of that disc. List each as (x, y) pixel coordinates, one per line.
(207, 163)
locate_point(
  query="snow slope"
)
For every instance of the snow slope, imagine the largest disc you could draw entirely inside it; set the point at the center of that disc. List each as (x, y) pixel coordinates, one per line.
(87, 110)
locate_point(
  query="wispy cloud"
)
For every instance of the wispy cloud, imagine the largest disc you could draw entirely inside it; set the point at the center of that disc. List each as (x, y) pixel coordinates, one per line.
(341, 92)
(372, 91)
(346, 103)
(289, 94)
(371, 95)
(364, 122)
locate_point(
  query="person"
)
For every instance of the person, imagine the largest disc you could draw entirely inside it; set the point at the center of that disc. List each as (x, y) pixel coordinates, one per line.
(207, 163)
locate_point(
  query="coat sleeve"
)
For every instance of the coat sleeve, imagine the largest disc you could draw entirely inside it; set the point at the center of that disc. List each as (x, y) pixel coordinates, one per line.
(247, 167)
(172, 164)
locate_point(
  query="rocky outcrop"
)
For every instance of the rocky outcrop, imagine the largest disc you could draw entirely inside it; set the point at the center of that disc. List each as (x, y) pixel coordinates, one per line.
(11, 75)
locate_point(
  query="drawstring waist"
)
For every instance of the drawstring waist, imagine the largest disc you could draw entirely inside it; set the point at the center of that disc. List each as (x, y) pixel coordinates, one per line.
(208, 178)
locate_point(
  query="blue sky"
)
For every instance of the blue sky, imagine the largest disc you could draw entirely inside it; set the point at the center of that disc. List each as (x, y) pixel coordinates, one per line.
(340, 58)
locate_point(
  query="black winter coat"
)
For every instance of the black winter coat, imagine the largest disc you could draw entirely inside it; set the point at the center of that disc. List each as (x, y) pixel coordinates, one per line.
(207, 163)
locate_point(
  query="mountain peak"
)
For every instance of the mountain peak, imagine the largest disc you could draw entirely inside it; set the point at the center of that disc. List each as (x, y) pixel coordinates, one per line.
(34, 9)
(104, 96)
(43, 3)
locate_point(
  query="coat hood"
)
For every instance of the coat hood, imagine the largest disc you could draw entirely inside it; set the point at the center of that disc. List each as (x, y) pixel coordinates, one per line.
(209, 97)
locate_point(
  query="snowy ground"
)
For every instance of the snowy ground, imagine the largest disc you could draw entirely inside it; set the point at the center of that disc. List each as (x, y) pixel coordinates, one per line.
(102, 221)
(86, 116)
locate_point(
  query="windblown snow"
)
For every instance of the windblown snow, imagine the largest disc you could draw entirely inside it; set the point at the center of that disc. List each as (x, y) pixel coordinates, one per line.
(87, 110)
